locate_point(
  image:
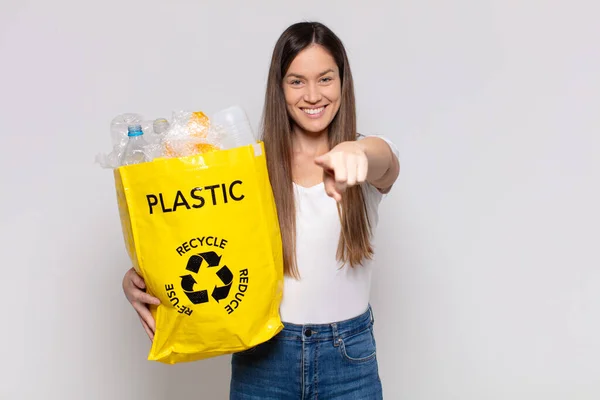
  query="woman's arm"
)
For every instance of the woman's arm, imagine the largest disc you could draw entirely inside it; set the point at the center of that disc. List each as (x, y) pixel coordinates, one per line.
(383, 165)
(352, 163)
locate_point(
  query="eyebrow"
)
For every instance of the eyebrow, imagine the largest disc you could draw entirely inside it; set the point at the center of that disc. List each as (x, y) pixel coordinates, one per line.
(303, 77)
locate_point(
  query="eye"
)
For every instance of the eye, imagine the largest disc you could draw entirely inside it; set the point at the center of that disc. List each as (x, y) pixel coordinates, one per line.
(295, 82)
(326, 79)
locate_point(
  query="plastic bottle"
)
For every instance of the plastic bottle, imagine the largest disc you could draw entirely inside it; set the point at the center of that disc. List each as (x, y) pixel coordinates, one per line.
(160, 126)
(119, 126)
(134, 152)
(237, 126)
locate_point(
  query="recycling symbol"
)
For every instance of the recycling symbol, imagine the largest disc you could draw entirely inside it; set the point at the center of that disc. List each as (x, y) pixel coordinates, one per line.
(212, 260)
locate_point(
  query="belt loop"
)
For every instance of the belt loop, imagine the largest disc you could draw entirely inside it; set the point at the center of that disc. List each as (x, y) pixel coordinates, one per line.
(371, 313)
(336, 338)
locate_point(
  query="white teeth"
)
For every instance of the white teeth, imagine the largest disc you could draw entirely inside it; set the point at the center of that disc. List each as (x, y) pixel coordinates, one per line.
(313, 111)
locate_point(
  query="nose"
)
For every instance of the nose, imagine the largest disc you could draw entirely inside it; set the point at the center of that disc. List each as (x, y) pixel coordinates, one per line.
(312, 94)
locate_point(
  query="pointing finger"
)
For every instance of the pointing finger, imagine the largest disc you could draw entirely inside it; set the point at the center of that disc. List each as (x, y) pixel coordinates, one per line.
(324, 161)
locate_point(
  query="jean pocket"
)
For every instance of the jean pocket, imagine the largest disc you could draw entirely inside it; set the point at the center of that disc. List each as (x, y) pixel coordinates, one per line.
(359, 348)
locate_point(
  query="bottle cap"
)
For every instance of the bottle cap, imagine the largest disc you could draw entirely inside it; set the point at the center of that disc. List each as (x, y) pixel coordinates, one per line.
(134, 130)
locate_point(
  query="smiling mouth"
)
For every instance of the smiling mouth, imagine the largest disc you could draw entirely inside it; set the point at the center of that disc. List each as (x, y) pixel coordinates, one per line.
(314, 111)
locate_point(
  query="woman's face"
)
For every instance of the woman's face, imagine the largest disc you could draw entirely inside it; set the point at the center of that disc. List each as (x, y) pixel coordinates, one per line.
(312, 89)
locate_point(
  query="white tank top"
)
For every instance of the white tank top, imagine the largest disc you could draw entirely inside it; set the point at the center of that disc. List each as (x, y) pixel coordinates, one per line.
(327, 291)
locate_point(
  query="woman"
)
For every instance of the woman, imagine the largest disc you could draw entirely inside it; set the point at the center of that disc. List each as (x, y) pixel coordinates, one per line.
(328, 182)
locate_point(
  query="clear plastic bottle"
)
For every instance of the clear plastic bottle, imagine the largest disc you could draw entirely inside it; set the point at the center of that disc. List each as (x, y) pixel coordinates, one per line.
(160, 126)
(119, 126)
(134, 152)
(236, 125)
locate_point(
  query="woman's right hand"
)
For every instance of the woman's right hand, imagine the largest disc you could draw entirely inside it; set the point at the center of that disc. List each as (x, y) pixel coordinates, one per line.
(134, 288)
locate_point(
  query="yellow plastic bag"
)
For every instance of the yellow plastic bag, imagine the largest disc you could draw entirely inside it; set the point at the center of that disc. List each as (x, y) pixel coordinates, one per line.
(203, 233)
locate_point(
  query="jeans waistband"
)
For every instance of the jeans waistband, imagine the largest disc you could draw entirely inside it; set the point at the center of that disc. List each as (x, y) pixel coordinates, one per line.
(332, 331)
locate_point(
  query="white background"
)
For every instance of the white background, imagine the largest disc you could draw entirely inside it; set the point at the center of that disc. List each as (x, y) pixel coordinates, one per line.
(488, 279)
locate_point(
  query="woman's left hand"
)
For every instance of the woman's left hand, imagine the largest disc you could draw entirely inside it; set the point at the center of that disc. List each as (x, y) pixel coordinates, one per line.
(343, 166)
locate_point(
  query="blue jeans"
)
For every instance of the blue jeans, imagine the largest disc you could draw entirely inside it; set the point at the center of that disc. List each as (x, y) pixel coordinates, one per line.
(328, 361)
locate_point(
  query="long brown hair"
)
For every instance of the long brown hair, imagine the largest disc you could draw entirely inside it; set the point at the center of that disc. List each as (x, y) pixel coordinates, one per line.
(355, 237)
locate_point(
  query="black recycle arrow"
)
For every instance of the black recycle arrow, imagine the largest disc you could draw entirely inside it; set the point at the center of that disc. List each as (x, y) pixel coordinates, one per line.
(221, 292)
(225, 275)
(187, 284)
(212, 258)
(195, 261)
(198, 297)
